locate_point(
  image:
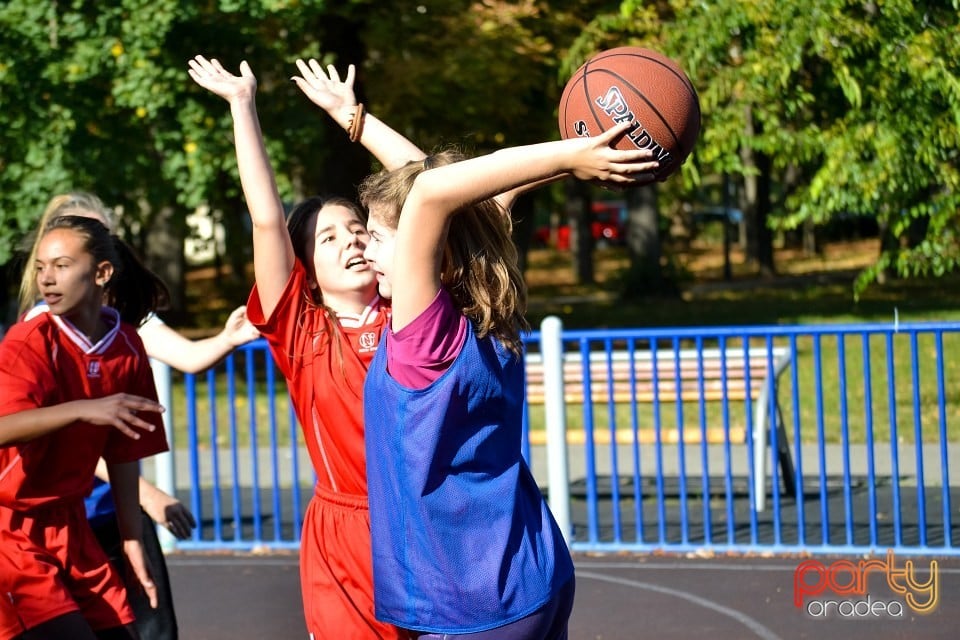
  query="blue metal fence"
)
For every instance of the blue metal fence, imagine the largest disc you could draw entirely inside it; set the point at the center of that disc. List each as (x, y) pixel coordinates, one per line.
(823, 439)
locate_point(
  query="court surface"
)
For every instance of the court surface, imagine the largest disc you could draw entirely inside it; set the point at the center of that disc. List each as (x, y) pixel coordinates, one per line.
(619, 596)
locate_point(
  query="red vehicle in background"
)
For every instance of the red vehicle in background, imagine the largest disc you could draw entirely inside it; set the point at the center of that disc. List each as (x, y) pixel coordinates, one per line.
(608, 227)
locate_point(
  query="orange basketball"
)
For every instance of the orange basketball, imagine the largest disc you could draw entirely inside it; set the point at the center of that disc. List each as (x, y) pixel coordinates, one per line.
(639, 85)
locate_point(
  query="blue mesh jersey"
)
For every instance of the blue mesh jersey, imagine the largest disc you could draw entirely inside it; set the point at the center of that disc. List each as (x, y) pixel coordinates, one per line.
(463, 540)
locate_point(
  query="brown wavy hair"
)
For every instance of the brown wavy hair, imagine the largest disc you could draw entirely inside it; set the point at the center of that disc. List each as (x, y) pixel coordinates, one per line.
(480, 267)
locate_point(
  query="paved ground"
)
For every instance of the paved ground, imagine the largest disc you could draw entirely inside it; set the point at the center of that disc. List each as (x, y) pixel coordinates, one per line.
(253, 597)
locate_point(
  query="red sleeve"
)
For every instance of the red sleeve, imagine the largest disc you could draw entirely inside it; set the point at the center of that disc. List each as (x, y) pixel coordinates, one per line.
(285, 330)
(122, 448)
(25, 380)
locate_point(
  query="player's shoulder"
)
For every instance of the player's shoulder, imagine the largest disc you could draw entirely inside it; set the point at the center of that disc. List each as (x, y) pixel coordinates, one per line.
(130, 334)
(29, 325)
(28, 333)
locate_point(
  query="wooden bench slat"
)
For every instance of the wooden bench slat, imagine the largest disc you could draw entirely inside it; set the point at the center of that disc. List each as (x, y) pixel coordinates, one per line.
(706, 376)
(645, 397)
(714, 435)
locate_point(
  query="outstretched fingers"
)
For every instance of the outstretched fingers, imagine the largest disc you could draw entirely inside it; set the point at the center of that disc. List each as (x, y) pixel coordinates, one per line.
(124, 412)
(324, 87)
(328, 75)
(211, 75)
(203, 67)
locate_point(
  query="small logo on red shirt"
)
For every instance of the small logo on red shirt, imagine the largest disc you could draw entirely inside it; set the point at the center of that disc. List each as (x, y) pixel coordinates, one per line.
(368, 341)
(93, 369)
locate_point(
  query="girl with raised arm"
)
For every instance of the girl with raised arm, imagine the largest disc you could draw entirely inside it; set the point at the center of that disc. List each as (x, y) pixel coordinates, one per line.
(463, 541)
(315, 301)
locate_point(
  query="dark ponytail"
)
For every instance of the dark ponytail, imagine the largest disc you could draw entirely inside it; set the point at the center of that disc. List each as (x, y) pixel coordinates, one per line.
(134, 290)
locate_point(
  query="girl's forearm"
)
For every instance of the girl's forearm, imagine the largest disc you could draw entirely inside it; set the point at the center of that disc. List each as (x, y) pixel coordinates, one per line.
(388, 146)
(453, 186)
(125, 486)
(29, 424)
(256, 174)
(181, 353)
(273, 256)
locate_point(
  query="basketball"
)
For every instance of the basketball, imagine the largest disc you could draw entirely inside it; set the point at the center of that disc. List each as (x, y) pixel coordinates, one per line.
(639, 85)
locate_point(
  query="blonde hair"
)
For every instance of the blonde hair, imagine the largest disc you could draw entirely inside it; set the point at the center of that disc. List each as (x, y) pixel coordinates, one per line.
(480, 266)
(76, 203)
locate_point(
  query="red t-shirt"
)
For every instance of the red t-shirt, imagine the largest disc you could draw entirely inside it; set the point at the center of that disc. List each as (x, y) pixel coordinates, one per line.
(325, 367)
(46, 361)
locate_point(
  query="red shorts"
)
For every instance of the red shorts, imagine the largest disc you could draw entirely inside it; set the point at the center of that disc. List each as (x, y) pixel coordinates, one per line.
(51, 565)
(336, 570)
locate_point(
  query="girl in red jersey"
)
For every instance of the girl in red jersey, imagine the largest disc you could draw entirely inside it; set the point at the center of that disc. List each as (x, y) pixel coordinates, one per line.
(165, 344)
(315, 301)
(76, 386)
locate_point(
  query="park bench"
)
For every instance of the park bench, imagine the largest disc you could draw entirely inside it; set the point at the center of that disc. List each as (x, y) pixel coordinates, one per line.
(685, 376)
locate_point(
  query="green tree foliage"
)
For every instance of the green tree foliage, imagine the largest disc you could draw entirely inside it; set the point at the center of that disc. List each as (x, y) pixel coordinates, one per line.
(855, 104)
(95, 96)
(840, 107)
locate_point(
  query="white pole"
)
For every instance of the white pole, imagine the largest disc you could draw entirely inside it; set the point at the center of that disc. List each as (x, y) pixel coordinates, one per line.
(558, 476)
(760, 446)
(165, 472)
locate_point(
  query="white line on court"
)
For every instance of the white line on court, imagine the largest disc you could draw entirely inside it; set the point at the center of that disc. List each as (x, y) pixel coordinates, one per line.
(705, 566)
(699, 566)
(757, 628)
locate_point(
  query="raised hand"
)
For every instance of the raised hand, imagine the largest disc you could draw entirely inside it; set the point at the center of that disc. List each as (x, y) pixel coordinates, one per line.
(120, 411)
(211, 75)
(326, 89)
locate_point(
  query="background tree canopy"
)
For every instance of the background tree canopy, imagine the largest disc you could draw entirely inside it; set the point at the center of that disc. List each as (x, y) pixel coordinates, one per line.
(812, 108)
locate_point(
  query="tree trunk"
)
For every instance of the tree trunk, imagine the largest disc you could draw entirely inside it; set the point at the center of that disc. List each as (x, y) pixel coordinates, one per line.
(889, 243)
(811, 246)
(237, 241)
(643, 244)
(9, 275)
(756, 204)
(163, 254)
(351, 162)
(581, 238)
(763, 205)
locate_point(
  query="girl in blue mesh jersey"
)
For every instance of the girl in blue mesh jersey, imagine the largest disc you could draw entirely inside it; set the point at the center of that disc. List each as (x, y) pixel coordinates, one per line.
(463, 541)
